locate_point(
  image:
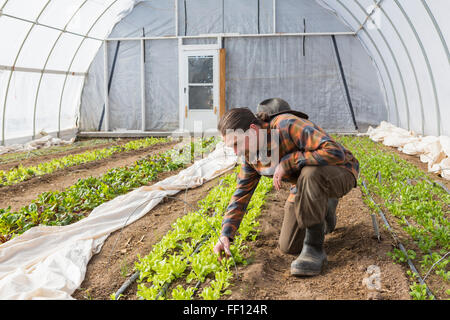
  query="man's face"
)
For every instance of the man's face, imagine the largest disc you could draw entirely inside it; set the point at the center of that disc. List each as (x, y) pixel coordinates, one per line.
(237, 141)
(242, 142)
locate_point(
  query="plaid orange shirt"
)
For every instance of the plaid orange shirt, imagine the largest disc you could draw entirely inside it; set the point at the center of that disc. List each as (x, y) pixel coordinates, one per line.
(301, 143)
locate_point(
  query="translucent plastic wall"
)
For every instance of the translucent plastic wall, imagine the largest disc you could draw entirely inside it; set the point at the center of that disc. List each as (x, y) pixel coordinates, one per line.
(408, 40)
(302, 70)
(46, 48)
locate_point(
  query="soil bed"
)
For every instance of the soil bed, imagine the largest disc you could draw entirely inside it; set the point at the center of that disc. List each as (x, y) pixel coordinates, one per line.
(33, 158)
(108, 270)
(352, 248)
(21, 194)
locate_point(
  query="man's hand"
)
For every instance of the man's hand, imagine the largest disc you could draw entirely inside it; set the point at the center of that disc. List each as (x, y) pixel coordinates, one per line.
(222, 246)
(278, 175)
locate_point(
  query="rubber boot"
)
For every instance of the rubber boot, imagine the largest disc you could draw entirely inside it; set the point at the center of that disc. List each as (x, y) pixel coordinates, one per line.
(313, 256)
(330, 218)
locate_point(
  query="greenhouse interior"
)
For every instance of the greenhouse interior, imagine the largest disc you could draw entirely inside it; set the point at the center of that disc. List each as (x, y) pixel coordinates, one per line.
(102, 102)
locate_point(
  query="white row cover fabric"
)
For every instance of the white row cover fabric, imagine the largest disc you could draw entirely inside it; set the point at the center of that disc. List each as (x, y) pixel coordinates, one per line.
(50, 262)
(45, 142)
(433, 150)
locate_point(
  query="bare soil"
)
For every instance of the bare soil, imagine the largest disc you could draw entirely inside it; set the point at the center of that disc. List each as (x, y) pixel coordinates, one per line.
(23, 193)
(351, 249)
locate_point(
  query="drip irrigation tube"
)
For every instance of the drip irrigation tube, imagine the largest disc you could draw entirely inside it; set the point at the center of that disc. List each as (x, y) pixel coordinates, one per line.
(374, 220)
(400, 245)
(133, 278)
(166, 285)
(437, 183)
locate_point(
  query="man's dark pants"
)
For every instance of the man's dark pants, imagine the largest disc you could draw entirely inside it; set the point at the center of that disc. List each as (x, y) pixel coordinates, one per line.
(308, 205)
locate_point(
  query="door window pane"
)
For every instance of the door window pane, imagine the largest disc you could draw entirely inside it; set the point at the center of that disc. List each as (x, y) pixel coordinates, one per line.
(200, 69)
(201, 97)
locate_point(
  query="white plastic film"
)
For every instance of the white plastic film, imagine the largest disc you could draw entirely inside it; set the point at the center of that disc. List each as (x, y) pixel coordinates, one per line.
(20, 105)
(58, 13)
(12, 34)
(25, 9)
(63, 52)
(71, 102)
(36, 48)
(48, 103)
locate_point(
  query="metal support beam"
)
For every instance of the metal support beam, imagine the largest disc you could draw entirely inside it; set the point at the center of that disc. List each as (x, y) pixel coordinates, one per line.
(176, 18)
(73, 60)
(274, 16)
(427, 61)
(143, 97)
(341, 69)
(379, 55)
(35, 70)
(105, 83)
(46, 63)
(33, 24)
(436, 26)
(369, 16)
(402, 82)
(47, 26)
(102, 117)
(238, 35)
(419, 91)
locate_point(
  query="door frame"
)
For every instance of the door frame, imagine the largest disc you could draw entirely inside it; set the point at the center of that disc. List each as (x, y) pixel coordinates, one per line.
(219, 78)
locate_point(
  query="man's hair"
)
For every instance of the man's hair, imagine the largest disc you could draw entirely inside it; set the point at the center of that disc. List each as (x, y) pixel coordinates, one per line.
(237, 118)
(272, 106)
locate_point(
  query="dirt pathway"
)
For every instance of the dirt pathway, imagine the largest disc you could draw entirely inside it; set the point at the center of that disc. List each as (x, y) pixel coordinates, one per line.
(351, 249)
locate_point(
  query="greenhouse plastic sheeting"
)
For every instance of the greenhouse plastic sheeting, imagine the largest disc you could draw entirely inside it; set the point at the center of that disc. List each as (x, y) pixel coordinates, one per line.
(61, 37)
(435, 151)
(50, 262)
(311, 83)
(408, 40)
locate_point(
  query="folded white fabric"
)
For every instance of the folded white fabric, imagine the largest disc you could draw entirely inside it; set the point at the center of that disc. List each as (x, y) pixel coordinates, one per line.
(50, 262)
(435, 151)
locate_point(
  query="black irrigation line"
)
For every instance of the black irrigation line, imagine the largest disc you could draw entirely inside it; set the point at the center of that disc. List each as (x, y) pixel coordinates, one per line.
(400, 245)
(374, 220)
(341, 69)
(133, 278)
(163, 290)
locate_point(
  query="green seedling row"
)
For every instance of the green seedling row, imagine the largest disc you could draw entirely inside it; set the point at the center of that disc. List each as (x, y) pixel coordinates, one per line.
(21, 173)
(77, 201)
(420, 207)
(174, 258)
